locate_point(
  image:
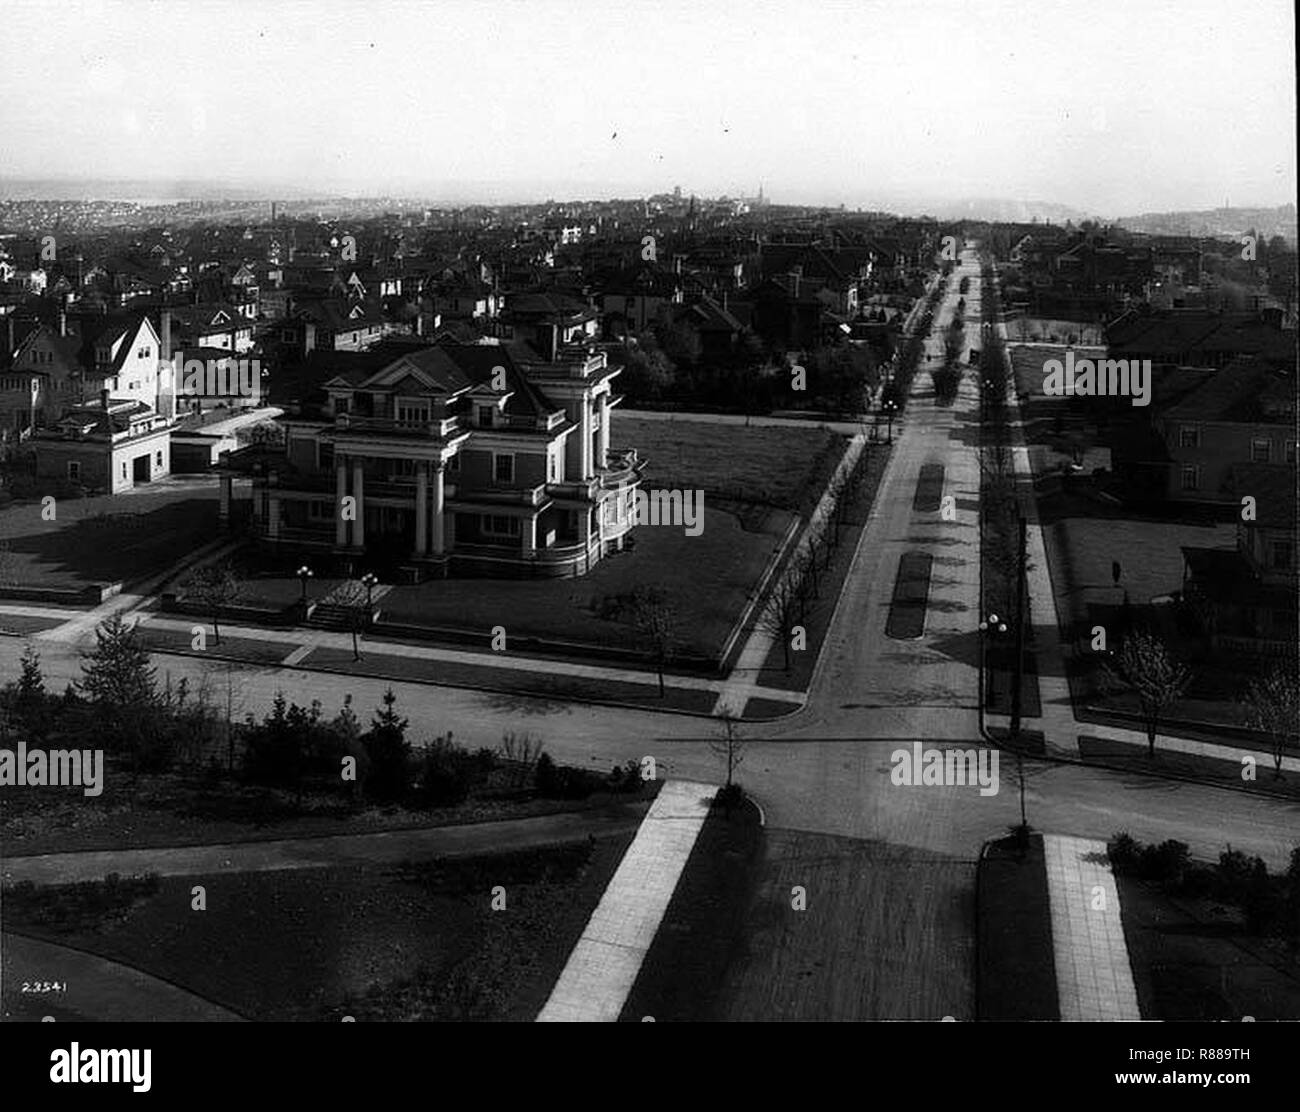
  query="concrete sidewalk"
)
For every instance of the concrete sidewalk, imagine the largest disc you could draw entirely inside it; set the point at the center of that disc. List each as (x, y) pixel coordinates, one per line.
(604, 964)
(1094, 980)
(97, 989)
(306, 641)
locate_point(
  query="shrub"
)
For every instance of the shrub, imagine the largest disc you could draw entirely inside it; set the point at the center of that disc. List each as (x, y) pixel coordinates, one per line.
(729, 796)
(448, 773)
(562, 782)
(1166, 862)
(1123, 851)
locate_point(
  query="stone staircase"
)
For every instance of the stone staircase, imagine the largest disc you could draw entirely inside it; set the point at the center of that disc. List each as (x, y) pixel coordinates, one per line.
(332, 612)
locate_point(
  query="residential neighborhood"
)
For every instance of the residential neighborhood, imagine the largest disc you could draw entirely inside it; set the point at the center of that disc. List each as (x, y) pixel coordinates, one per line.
(722, 584)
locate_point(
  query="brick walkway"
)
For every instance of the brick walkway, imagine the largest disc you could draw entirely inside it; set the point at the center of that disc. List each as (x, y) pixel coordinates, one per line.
(604, 964)
(1093, 978)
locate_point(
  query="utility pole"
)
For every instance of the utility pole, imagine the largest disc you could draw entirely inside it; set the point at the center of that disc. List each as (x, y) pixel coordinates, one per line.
(1017, 677)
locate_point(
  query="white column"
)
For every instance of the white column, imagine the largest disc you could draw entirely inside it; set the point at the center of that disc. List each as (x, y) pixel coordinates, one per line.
(358, 492)
(421, 509)
(438, 541)
(223, 509)
(530, 536)
(584, 434)
(341, 492)
(604, 430)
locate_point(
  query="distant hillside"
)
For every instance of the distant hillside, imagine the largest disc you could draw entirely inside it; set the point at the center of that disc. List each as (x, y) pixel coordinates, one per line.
(992, 209)
(1221, 222)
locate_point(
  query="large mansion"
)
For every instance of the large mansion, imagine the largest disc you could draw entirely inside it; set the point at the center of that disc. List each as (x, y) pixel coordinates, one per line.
(481, 458)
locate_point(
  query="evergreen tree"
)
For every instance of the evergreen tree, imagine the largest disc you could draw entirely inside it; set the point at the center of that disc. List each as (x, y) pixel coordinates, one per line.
(117, 673)
(389, 752)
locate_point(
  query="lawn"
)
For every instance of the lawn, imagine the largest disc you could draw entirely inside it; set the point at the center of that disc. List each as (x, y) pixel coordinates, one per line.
(553, 684)
(706, 579)
(1017, 964)
(785, 468)
(106, 539)
(172, 809)
(418, 941)
(1193, 959)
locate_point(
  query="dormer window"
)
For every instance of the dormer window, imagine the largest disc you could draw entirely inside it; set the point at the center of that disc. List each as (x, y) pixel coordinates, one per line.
(485, 416)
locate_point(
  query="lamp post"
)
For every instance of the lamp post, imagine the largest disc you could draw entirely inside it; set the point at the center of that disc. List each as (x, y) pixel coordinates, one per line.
(304, 573)
(992, 624)
(369, 581)
(889, 407)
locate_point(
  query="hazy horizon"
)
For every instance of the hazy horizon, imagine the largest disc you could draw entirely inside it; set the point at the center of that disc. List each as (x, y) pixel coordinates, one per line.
(1095, 108)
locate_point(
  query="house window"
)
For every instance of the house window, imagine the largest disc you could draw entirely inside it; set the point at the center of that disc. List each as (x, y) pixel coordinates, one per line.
(408, 414)
(1260, 449)
(1290, 451)
(74, 471)
(485, 416)
(453, 464)
(1191, 477)
(1283, 555)
(1189, 436)
(158, 460)
(503, 468)
(124, 470)
(496, 525)
(340, 405)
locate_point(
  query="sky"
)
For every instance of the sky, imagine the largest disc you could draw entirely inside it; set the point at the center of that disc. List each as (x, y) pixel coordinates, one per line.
(1114, 108)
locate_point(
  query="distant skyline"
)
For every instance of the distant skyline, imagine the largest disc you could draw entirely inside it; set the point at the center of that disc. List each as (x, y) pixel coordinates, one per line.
(1112, 109)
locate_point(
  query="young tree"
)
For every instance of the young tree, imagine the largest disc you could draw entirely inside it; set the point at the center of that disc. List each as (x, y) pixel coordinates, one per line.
(117, 673)
(730, 749)
(1273, 708)
(785, 605)
(213, 588)
(120, 684)
(29, 699)
(389, 752)
(1145, 665)
(31, 683)
(351, 598)
(654, 618)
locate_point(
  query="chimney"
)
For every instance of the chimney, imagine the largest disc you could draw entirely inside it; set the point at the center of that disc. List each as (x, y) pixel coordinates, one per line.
(103, 400)
(419, 323)
(63, 323)
(166, 337)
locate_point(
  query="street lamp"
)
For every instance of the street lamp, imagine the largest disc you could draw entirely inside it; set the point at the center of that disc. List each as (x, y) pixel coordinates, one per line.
(304, 573)
(369, 581)
(889, 407)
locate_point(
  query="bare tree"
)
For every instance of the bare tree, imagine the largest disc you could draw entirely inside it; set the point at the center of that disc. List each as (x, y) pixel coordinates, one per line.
(213, 588)
(1145, 665)
(522, 752)
(808, 558)
(351, 598)
(1273, 708)
(654, 618)
(784, 608)
(728, 746)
